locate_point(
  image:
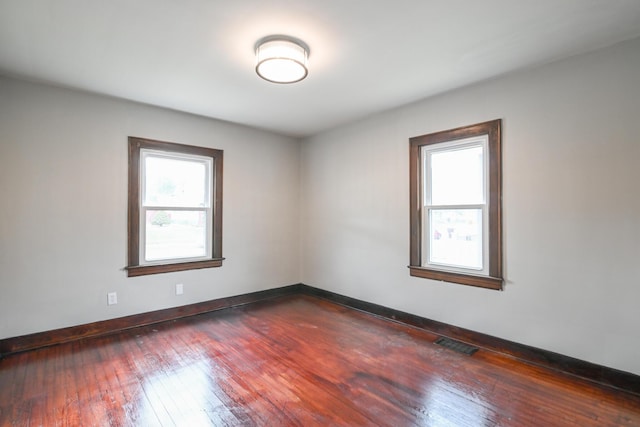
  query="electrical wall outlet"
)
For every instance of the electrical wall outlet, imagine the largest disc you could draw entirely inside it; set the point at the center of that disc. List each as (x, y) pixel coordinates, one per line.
(179, 288)
(112, 298)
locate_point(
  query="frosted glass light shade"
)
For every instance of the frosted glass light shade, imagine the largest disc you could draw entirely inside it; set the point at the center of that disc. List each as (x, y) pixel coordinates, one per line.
(281, 60)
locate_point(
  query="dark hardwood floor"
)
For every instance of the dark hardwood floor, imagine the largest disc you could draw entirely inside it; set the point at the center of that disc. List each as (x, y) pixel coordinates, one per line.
(295, 360)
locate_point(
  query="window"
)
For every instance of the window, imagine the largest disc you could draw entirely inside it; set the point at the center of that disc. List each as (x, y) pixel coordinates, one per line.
(456, 221)
(175, 207)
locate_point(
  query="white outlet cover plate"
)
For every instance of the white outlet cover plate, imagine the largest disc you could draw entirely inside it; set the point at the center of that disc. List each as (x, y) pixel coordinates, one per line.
(112, 298)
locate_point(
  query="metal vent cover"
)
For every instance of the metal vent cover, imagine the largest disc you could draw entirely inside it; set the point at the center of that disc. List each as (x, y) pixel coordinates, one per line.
(457, 346)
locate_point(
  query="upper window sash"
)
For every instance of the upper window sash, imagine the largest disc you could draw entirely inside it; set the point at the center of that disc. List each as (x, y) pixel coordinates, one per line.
(428, 151)
(182, 164)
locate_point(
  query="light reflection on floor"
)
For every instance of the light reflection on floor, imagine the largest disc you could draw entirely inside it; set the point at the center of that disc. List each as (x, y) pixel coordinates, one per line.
(186, 396)
(446, 405)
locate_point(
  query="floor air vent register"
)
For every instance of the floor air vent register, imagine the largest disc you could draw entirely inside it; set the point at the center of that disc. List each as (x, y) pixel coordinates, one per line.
(457, 346)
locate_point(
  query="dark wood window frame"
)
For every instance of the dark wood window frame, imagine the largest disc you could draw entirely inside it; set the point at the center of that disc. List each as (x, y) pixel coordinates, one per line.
(133, 230)
(494, 279)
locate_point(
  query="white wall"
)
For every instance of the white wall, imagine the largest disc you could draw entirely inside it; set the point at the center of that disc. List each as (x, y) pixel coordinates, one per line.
(571, 176)
(63, 189)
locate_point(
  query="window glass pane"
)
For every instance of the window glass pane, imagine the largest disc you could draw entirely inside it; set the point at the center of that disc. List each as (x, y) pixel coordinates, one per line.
(455, 237)
(174, 182)
(175, 234)
(457, 176)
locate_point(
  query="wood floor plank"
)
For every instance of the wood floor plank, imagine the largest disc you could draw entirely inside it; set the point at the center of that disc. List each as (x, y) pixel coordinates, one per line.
(88, 364)
(78, 414)
(292, 361)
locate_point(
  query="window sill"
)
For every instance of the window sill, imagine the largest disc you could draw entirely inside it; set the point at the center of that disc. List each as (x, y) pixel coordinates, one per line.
(142, 270)
(462, 279)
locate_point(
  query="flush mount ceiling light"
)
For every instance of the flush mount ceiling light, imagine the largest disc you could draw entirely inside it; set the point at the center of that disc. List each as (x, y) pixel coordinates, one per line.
(281, 59)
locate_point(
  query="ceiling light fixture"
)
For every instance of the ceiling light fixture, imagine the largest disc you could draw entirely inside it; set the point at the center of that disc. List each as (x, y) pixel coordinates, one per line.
(281, 59)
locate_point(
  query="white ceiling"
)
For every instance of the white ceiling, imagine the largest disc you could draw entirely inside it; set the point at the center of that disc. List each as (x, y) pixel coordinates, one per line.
(366, 55)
